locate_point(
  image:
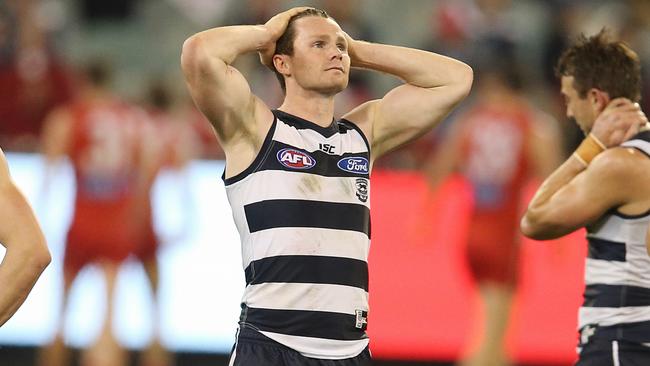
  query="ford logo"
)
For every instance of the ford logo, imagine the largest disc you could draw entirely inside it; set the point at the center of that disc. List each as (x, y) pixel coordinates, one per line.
(357, 165)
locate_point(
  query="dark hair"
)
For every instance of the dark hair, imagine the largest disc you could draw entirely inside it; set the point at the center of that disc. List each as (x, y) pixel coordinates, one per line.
(284, 44)
(598, 62)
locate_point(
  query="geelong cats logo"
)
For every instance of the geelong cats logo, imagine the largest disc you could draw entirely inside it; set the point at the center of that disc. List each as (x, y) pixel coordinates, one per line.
(295, 159)
(362, 189)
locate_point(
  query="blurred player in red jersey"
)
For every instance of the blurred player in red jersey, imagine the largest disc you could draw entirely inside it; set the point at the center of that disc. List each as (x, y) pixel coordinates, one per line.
(102, 137)
(170, 143)
(497, 145)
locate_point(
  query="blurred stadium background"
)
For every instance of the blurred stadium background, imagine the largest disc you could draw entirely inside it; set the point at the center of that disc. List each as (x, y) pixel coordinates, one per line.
(422, 296)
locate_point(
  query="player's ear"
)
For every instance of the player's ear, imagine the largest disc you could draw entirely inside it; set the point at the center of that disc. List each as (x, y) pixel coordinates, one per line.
(282, 64)
(598, 99)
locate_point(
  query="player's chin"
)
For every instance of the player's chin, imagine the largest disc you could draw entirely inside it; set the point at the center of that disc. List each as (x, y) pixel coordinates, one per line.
(334, 86)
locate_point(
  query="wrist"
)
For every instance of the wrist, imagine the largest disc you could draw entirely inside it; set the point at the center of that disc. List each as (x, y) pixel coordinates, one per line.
(360, 53)
(267, 37)
(590, 147)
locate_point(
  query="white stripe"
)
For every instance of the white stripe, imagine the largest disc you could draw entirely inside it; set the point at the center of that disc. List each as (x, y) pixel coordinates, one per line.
(350, 142)
(622, 230)
(328, 349)
(615, 353)
(279, 184)
(306, 296)
(306, 241)
(639, 262)
(612, 316)
(606, 272)
(639, 144)
(632, 273)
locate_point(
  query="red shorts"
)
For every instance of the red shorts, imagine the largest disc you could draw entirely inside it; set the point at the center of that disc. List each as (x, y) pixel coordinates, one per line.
(495, 262)
(90, 240)
(87, 244)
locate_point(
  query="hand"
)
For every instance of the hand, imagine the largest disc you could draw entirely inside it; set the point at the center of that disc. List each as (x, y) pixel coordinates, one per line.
(351, 49)
(620, 120)
(276, 27)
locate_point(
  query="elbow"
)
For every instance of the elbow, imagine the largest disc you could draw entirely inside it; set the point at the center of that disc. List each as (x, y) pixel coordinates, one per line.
(466, 80)
(462, 81)
(40, 257)
(534, 226)
(529, 229)
(43, 259)
(189, 52)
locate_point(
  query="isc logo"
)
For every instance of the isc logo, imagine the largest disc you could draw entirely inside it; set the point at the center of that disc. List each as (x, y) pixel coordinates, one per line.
(294, 159)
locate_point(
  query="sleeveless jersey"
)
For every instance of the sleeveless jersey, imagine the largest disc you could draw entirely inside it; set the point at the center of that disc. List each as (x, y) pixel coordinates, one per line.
(302, 209)
(617, 273)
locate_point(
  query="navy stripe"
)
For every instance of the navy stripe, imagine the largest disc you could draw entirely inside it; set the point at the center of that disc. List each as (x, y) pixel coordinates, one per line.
(308, 269)
(318, 324)
(638, 332)
(326, 164)
(303, 213)
(606, 250)
(614, 296)
(630, 217)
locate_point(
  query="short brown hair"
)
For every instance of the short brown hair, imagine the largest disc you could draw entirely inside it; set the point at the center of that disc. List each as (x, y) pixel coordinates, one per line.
(284, 44)
(598, 62)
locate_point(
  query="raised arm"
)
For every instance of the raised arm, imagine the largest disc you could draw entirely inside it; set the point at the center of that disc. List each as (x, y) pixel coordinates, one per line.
(576, 193)
(221, 92)
(434, 85)
(27, 254)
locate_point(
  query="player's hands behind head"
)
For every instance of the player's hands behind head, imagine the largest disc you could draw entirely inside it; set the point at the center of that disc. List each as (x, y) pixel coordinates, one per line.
(276, 27)
(620, 120)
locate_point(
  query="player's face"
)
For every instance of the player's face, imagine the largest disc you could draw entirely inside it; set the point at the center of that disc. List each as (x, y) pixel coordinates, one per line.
(577, 108)
(320, 61)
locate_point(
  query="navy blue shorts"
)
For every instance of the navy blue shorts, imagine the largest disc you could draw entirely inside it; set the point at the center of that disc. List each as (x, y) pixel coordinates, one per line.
(613, 353)
(255, 349)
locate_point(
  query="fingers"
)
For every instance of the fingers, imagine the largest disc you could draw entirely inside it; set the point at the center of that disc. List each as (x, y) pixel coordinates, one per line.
(621, 104)
(293, 11)
(631, 131)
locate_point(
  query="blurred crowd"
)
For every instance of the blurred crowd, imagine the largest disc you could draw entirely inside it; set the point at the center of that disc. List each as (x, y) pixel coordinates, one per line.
(49, 49)
(44, 43)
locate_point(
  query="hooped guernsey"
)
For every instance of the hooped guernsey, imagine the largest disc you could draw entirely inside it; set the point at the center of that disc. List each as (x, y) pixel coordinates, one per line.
(616, 303)
(302, 209)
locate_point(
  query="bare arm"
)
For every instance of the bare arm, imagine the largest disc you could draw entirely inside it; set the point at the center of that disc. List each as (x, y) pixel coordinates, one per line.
(434, 85)
(575, 195)
(27, 254)
(221, 92)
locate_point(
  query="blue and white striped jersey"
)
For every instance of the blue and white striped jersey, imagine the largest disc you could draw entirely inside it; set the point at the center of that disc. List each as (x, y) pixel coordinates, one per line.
(617, 272)
(302, 210)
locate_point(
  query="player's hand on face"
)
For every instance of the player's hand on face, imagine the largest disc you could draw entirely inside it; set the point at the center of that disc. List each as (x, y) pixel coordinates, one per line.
(620, 120)
(276, 27)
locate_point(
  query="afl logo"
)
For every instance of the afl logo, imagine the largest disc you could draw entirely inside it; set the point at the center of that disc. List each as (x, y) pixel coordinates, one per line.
(295, 159)
(357, 165)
